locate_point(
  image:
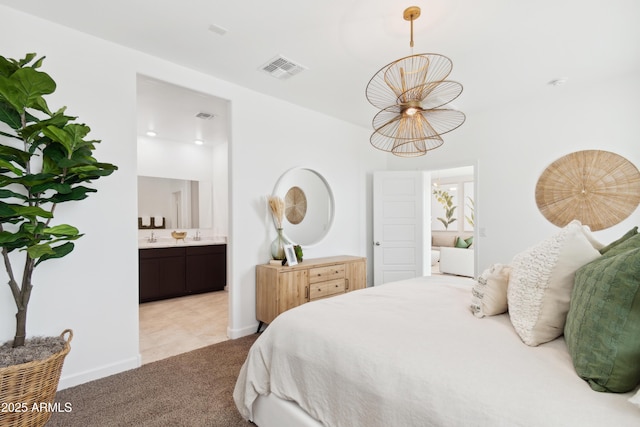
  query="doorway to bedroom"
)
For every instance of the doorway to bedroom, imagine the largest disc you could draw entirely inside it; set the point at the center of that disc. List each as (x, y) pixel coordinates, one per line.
(452, 221)
(422, 221)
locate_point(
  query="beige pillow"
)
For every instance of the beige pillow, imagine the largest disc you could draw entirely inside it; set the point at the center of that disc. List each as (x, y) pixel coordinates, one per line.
(489, 294)
(541, 281)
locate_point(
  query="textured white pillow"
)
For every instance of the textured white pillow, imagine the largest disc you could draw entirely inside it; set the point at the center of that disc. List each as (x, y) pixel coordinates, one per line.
(541, 280)
(489, 294)
(635, 399)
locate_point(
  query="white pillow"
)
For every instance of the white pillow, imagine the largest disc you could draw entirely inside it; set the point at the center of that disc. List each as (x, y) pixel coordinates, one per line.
(489, 294)
(635, 399)
(541, 281)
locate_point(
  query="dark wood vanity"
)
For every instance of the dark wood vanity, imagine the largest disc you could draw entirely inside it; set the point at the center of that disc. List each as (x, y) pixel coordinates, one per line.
(170, 272)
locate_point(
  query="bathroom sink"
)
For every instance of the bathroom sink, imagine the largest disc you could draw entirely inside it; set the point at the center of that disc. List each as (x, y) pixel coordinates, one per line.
(167, 242)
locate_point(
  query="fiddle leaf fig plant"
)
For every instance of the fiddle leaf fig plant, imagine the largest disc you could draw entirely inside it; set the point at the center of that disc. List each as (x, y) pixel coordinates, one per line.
(45, 160)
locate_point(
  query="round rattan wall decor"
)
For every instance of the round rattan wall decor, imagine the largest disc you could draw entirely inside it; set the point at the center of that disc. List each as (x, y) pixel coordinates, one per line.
(295, 205)
(598, 188)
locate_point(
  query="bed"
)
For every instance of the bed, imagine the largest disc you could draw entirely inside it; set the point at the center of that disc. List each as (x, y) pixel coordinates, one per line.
(411, 353)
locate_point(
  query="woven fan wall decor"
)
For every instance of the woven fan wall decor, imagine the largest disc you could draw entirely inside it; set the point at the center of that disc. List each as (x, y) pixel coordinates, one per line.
(598, 188)
(295, 205)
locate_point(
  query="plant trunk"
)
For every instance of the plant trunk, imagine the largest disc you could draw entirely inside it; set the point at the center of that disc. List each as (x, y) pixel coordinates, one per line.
(25, 296)
(21, 328)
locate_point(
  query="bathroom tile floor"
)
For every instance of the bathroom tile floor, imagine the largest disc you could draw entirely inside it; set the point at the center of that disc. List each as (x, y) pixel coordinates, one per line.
(178, 325)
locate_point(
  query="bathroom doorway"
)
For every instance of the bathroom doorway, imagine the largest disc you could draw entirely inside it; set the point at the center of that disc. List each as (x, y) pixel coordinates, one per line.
(182, 134)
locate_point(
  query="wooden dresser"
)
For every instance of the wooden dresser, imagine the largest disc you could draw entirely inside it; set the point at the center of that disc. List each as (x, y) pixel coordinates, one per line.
(280, 288)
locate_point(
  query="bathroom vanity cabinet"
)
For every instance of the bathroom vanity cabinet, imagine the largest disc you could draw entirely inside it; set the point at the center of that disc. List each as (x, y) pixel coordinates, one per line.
(171, 272)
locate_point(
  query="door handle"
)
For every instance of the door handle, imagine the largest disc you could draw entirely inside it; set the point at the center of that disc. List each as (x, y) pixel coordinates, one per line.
(377, 243)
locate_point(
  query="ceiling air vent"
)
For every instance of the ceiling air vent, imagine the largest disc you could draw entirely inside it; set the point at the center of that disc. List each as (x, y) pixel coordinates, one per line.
(282, 68)
(204, 116)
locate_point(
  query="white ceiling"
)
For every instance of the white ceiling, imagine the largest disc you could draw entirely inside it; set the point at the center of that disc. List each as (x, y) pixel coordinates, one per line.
(171, 111)
(502, 50)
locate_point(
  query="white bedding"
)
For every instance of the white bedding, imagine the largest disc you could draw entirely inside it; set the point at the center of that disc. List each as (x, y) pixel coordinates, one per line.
(411, 353)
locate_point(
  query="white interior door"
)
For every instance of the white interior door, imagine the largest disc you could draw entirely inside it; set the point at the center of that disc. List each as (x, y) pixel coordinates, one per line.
(400, 237)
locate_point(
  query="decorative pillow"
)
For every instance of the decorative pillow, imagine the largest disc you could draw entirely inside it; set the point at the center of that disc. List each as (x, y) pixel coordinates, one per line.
(440, 240)
(541, 280)
(489, 294)
(632, 242)
(635, 399)
(461, 243)
(603, 324)
(627, 235)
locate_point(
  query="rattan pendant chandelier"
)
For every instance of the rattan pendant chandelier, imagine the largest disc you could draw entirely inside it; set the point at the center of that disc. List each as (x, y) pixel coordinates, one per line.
(410, 93)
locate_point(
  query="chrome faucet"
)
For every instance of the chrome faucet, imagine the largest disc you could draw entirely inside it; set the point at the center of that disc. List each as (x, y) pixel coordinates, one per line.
(197, 236)
(152, 238)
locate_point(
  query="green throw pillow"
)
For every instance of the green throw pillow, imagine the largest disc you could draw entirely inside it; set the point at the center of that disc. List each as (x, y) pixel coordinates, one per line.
(632, 242)
(460, 243)
(627, 235)
(602, 331)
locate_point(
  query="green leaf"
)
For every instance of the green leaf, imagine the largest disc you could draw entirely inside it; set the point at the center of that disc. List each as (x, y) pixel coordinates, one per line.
(9, 115)
(7, 237)
(70, 136)
(55, 186)
(37, 251)
(9, 210)
(7, 67)
(77, 193)
(14, 155)
(62, 230)
(27, 59)
(7, 194)
(25, 88)
(58, 252)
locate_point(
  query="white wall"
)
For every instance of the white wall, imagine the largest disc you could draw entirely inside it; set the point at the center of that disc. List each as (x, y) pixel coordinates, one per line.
(177, 160)
(220, 196)
(95, 289)
(513, 144)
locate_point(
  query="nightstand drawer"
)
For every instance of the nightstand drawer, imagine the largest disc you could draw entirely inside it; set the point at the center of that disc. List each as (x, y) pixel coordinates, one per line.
(325, 289)
(322, 274)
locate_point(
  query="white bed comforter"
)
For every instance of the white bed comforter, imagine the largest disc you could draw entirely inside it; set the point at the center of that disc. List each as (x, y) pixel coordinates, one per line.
(411, 353)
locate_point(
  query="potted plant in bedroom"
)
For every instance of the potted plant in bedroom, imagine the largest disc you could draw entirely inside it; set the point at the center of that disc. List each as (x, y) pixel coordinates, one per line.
(45, 160)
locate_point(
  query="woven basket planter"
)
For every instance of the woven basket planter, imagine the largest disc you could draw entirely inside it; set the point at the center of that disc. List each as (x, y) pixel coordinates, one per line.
(31, 385)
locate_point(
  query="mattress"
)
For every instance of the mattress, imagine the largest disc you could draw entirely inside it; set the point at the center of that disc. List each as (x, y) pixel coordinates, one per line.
(411, 353)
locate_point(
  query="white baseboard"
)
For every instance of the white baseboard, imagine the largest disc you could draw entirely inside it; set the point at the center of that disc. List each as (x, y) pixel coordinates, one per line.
(243, 332)
(67, 381)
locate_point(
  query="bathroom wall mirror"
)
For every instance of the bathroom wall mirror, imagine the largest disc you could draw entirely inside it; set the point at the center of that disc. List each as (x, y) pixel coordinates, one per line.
(309, 205)
(183, 203)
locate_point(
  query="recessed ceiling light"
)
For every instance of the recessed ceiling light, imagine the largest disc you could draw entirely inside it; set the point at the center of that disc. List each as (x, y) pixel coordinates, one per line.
(218, 29)
(558, 82)
(198, 142)
(151, 133)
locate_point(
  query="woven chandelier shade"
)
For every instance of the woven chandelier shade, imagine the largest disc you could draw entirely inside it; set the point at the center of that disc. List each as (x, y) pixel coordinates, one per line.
(598, 188)
(410, 93)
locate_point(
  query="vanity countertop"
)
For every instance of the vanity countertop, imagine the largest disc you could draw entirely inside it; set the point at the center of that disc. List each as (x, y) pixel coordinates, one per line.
(163, 242)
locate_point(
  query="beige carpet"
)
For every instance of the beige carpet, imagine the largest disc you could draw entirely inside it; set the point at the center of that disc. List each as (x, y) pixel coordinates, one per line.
(192, 389)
